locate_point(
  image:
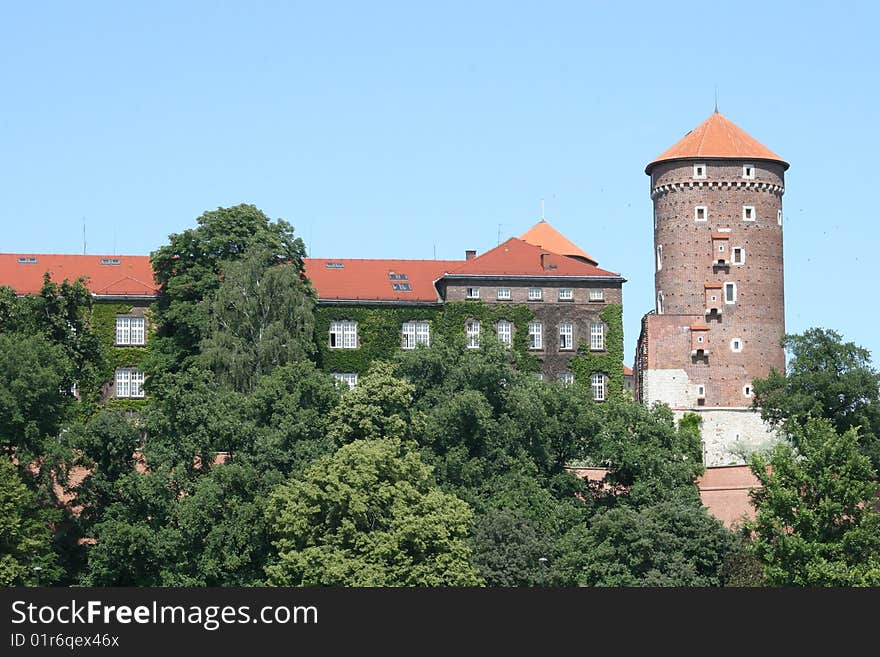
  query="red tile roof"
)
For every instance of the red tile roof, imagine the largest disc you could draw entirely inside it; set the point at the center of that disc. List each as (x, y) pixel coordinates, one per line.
(717, 138)
(133, 276)
(544, 235)
(516, 257)
(370, 280)
(627, 371)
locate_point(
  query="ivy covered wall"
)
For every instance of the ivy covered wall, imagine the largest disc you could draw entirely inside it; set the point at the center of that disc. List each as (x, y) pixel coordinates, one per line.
(610, 361)
(104, 326)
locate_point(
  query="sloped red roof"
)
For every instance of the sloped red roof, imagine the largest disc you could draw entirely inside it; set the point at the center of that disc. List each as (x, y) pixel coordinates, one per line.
(516, 257)
(717, 138)
(627, 371)
(370, 280)
(133, 276)
(544, 235)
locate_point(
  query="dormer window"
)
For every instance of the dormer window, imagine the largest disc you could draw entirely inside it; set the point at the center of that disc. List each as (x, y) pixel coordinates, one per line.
(748, 172)
(699, 171)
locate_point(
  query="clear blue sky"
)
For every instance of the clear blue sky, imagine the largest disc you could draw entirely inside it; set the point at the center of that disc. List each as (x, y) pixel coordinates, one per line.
(393, 129)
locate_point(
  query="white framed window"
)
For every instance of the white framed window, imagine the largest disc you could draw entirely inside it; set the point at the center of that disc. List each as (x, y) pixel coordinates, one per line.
(566, 336)
(472, 331)
(348, 378)
(701, 213)
(566, 378)
(503, 294)
(659, 257)
(536, 335)
(130, 331)
(736, 345)
(566, 294)
(747, 390)
(505, 332)
(779, 217)
(701, 391)
(739, 255)
(535, 294)
(129, 383)
(597, 384)
(730, 293)
(597, 295)
(699, 171)
(472, 293)
(343, 334)
(660, 302)
(748, 171)
(538, 375)
(748, 213)
(415, 333)
(700, 339)
(597, 336)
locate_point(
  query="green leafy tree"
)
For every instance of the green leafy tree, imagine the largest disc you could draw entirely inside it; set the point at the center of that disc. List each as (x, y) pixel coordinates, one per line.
(189, 268)
(670, 543)
(817, 521)
(260, 318)
(379, 407)
(369, 515)
(25, 533)
(826, 378)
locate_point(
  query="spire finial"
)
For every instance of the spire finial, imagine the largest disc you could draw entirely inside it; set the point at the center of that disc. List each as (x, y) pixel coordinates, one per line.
(716, 99)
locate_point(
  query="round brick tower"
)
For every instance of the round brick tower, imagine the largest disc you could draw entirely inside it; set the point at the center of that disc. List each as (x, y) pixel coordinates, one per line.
(719, 315)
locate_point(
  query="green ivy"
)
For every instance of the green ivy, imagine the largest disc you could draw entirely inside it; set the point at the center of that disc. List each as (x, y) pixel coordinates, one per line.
(103, 321)
(609, 362)
(379, 330)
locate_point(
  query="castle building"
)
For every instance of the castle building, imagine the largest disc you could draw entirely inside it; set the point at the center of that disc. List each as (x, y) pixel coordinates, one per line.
(719, 315)
(539, 294)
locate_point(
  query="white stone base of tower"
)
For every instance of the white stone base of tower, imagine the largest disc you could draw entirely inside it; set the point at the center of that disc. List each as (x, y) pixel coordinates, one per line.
(731, 435)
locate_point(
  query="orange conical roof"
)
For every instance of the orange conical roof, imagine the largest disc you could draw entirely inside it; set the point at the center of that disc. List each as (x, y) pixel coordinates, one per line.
(547, 237)
(718, 138)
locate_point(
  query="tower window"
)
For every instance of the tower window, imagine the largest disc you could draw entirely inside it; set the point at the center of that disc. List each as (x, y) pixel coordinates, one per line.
(701, 391)
(699, 171)
(748, 213)
(747, 390)
(701, 213)
(730, 293)
(748, 172)
(779, 217)
(736, 345)
(739, 255)
(660, 302)
(659, 257)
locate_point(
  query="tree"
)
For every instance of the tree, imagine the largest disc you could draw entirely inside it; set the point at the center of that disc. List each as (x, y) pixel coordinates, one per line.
(260, 318)
(25, 533)
(825, 378)
(189, 268)
(670, 543)
(369, 515)
(817, 521)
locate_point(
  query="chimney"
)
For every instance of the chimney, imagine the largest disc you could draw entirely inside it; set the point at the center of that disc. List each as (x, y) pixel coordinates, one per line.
(545, 261)
(470, 254)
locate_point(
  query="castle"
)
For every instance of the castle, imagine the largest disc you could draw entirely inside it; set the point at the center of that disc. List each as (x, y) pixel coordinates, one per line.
(717, 323)
(719, 317)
